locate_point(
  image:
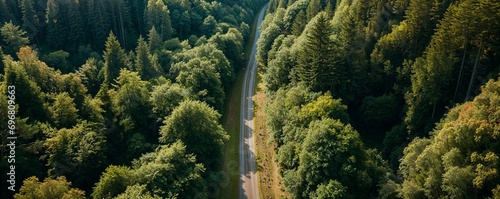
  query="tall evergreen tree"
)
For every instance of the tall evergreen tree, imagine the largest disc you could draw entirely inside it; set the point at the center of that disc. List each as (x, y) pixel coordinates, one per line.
(313, 8)
(142, 60)
(154, 40)
(114, 59)
(299, 23)
(76, 34)
(31, 23)
(319, 64)
(57, 23)
(158, 15)
(98, 21)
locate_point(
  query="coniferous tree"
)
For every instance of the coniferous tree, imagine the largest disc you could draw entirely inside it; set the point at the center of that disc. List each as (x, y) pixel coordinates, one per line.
(313, 8)
(114, 59)
(57, 23)
(157, 15)
(154, 40)
(142, 60)
(319, 64)
(76, 34)
(64, 112)
(31, 23)
(299, 23)
(98, 21)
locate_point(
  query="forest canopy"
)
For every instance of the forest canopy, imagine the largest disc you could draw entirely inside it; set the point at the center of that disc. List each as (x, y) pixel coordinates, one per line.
(384, 98)
(107, 92)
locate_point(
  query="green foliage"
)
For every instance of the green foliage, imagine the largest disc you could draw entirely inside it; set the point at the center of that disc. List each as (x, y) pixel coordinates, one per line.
(29, 98)
(49, 188)
(299, 23)
(196, 124)
(231, 44)
(278, 69)
(333, 189)
(113, 182)
(64, 113)
(131, 107)
(461, 155)
(166, 97)
(13, 37)
(30, 19)
(324, 107)
(332, 151)
(205, 70)
(379, 111)
(138, 192)
(157, 15)
(171, 172)
(77, 152)
(58, 60)
(89, 75)
(114, 59)
(143, 63)
(318, 61)
(209, 26)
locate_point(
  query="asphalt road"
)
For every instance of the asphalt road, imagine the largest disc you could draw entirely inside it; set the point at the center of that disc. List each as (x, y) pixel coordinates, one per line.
(248, 168)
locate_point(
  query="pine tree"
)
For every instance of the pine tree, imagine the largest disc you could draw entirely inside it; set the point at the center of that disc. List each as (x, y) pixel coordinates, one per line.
(137, 12)
(313, 8)
(30, 20)
(98, 22)
(154, 40)
(114, 59)
(299, 23)
(120, 19)
(76, 35)
(142, 61)
(318, 62)
(158, 15)
(57, 23)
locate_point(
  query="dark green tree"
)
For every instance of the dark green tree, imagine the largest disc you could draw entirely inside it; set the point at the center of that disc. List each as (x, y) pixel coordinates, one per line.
(29, 97)
(99, 23)
(157, 15)
(299, 23)
(154, 40)
(333, 151)
(57, 23)
(196, 124)
(77, 152)
(319, 64)
(114, 59)
(142, 60)
(31, 23)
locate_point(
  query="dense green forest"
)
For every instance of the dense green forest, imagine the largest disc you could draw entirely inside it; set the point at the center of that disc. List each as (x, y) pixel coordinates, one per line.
(384, 98)
(367, 98)
(110, 95)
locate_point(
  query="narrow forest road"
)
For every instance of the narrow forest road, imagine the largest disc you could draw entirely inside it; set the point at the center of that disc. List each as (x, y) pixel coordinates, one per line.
(248, 168)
